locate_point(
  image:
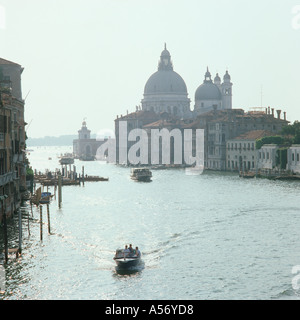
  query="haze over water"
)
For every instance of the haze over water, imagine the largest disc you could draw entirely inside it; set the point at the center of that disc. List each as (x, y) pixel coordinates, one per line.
(212, 236)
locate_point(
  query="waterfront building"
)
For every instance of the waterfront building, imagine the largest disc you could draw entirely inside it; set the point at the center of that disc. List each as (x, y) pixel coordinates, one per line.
(241, 152)
(12, 137)
(223, 125)
(85, 147)
(293, 158)
(267, 156)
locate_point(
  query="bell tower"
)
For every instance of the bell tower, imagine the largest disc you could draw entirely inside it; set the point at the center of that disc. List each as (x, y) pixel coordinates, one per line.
(84, 133)
(226, 91)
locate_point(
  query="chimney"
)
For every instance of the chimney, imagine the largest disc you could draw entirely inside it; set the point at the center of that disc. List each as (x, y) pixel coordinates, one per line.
(266, 110)
(269, 110)
(278, 113)
(284, 115)
(273, 112)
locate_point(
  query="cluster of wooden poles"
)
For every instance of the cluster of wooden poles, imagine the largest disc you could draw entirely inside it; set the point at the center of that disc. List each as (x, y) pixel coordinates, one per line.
(18, 251)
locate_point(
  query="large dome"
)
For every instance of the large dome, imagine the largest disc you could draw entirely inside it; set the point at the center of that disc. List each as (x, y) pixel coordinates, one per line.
(166, 91)
(165, 81)
(208, 91)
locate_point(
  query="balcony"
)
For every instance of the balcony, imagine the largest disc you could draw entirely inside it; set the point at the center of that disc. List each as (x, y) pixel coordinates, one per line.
(6, 178)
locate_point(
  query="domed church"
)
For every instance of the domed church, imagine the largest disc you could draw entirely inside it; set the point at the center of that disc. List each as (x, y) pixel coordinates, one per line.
(166, 91)
(213, 95)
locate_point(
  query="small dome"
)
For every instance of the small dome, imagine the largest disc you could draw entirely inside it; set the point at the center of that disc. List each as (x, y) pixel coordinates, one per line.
(165, 52)
(226, 76)
(208, 91)
(217, 78)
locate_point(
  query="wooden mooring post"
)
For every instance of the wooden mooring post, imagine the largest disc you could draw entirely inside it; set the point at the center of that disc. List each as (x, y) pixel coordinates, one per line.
(82, 177)
(5, 232)
(59, 191)
(41, 222)
(48, 216)
(28, 220)
(20, 230)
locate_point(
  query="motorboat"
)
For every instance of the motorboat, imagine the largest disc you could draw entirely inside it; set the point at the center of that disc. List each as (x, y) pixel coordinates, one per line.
(126, 260)
(45, 197)
(67, 158)
(141, 174)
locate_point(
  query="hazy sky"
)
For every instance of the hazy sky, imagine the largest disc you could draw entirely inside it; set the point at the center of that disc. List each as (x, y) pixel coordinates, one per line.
(91, 58)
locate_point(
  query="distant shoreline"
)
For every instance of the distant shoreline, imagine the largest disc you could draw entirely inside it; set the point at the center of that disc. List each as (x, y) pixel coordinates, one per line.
(64, 140)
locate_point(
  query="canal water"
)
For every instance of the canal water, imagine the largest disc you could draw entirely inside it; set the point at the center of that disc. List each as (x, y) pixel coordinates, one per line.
(212, 236)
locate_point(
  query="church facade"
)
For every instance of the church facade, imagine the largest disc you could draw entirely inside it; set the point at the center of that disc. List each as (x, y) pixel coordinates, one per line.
(166, 91)
(166, 104)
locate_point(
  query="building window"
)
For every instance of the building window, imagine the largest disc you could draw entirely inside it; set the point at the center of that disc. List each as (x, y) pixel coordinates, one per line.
(297, 156)
(293, 157)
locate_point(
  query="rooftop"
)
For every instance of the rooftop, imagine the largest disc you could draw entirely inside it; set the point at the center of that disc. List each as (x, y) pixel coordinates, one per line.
(7, 62)
(254, 135)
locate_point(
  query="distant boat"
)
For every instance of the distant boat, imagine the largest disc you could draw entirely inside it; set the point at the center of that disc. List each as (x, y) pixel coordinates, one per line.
(247, 175)
(141, 174)
(45, 197)
(126, 261)
(67, 158)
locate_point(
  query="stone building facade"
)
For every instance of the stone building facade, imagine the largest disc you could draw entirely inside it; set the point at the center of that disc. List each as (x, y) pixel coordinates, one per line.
(12, 138)
(293, 158)
(241, 152)
(85, 147)
(267, 156)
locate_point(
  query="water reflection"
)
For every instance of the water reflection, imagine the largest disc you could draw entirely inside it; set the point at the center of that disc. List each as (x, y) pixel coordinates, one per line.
(2, 279)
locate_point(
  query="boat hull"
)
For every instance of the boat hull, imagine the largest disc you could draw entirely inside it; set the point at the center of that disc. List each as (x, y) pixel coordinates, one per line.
(127, 262)
(142, 179)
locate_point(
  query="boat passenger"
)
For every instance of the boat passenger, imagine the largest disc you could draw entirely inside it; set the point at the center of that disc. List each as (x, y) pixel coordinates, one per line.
(137, 252)
(126, 251)
(131, 249)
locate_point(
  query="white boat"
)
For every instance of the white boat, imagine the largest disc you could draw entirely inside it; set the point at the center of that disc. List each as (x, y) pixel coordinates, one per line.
(126, 260)
(141, 174)
(66, 159)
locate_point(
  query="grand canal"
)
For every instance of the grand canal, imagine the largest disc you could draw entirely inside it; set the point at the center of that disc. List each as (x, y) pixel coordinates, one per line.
(212, 236)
